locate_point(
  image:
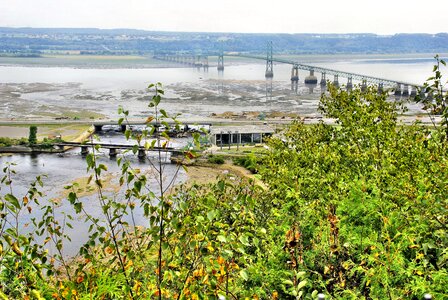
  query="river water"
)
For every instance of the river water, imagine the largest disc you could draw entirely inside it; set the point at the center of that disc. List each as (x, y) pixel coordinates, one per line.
(26, 92)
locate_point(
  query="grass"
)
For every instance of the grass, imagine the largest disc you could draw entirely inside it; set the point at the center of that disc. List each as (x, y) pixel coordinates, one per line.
(68, 132)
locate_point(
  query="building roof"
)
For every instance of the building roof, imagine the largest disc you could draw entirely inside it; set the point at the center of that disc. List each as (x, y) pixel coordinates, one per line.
(242, 129)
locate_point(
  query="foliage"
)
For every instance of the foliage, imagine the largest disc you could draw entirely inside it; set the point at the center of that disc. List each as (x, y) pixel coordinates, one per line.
(7, 142)
(215, 159)
(366, 200)
(250, 161)
(32, 138)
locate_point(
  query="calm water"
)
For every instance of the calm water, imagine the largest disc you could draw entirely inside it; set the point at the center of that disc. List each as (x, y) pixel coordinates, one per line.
(191, 91)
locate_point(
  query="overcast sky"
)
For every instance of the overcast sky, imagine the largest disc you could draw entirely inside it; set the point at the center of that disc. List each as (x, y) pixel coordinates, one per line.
(274, 16)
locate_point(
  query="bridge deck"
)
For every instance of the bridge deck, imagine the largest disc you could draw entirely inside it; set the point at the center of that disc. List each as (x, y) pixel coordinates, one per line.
(116, 146)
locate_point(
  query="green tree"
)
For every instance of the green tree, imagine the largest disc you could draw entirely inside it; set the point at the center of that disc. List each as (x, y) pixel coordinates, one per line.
(32, 138)
(362, 204)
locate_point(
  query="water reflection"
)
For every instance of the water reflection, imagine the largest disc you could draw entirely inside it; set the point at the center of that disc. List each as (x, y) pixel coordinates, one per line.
(220, 82)
(294, 86)
(268, 89)
(311, 87)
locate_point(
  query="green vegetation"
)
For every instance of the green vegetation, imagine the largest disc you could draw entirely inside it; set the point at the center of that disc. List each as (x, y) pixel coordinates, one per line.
(8, 142)
(355, 211)
(250, 161)
(32, 138)
(215, 159)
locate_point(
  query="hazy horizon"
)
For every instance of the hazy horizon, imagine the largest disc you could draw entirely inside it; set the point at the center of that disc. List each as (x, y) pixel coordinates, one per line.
(223, 32)
(381, 17)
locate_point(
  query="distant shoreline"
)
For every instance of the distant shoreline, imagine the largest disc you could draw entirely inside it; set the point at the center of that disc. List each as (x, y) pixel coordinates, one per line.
(146, 62)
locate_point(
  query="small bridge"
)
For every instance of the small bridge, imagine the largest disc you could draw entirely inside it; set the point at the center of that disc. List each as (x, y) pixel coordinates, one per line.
(113, 148)
(185, 126)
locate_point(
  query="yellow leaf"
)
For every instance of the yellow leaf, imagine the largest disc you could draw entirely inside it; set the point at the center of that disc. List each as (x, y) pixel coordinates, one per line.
(149, 119)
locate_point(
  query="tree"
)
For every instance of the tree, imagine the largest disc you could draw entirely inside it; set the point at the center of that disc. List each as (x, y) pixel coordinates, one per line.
(362, 205)
(32, 138)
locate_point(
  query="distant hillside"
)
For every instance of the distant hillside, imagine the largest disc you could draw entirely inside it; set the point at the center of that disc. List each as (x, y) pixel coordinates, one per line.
(35, 41)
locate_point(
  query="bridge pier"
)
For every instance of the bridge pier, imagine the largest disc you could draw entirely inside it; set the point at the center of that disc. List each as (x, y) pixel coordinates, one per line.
(84, 150)
(336, 80)
(397, 90)
(323, 80)
(405, 92)
(141, 154)
(221, 62)
(294, 86)
(113, 152)
(380, 88)
(413, 91)
(311, 79)
(269, 63)
(349, 83)
(205, 61)
(364, 85)
(295, 73)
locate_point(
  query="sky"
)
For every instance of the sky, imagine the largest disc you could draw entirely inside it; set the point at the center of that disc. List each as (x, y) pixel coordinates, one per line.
(245, 16)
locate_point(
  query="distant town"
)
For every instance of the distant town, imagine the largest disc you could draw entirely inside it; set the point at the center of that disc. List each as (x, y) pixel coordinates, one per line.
(33, 42)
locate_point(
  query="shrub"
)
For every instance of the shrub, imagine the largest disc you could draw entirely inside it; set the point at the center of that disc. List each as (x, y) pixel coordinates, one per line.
(216, 159)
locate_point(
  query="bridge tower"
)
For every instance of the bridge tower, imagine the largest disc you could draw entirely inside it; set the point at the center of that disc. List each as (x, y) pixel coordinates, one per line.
(221, 61)
(295, 73)
(269, 68)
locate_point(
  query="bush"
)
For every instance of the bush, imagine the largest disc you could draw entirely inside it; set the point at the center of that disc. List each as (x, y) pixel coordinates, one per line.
(216, 159)
(249, 162)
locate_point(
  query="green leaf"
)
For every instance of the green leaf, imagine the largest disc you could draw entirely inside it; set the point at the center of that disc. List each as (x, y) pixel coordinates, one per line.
(211, 215)
(244, 275)
(156, 99)
(13, 200)
(72, 197)
(288, 282)
(78, 207)
(244, 239)
(221, 238)
(163, 112)
(302, 284)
